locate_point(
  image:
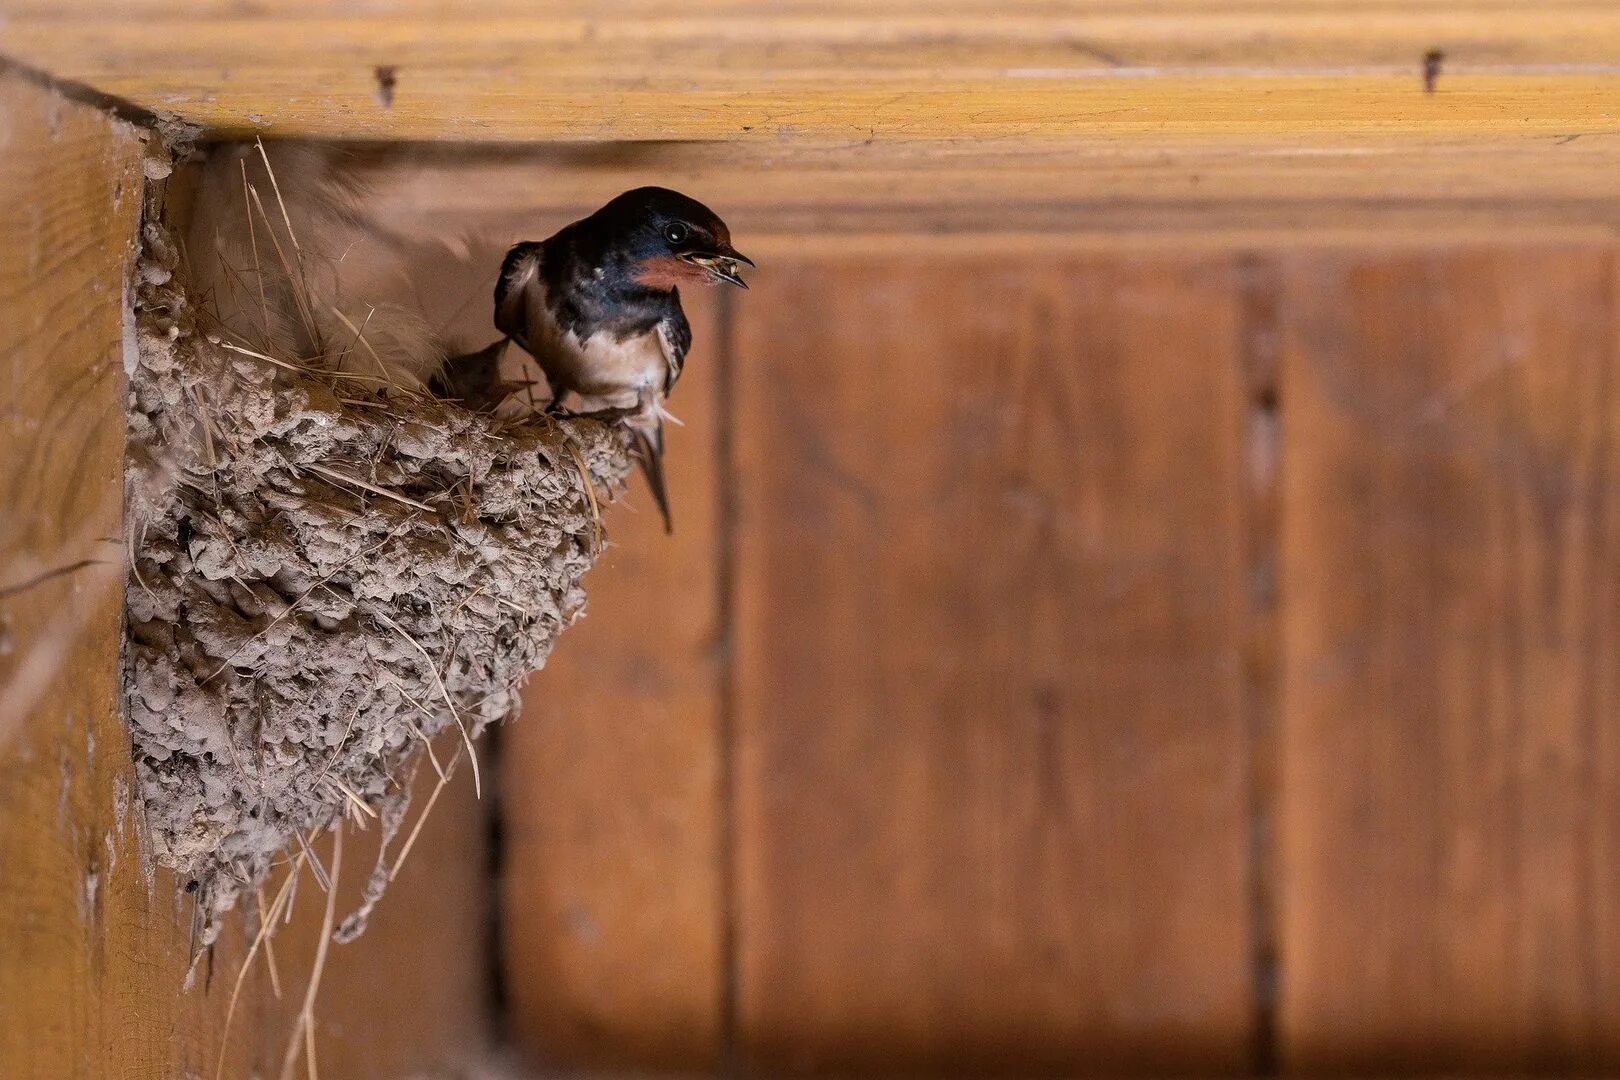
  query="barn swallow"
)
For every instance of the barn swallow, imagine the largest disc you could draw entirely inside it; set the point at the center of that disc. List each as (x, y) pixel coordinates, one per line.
(598, 306)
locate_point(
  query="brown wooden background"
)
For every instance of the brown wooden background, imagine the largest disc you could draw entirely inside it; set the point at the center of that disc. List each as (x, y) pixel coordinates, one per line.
(1187, 659)
(1100, 662)
(1143, 598)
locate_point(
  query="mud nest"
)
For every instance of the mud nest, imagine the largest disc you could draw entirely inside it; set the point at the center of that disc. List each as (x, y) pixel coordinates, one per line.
(322, 581)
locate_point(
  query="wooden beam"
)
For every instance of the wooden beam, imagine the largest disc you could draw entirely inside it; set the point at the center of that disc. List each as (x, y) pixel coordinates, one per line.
(73, 892)
(724, 69)
(1031, 196)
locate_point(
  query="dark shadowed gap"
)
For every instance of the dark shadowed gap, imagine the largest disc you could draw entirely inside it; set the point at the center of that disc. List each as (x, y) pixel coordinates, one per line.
(499, 1001)
(89, 96)
(727, 1058)
(1259, 327)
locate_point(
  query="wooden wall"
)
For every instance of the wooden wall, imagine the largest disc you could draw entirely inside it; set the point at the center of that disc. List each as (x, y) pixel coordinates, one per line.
(1088, 661)
(94, 945)
(1449, 806)
(1100, 662)
(1173, 75)
(1106, 662)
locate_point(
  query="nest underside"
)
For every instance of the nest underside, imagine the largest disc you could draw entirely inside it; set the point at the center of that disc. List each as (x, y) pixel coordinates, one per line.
(324, 580)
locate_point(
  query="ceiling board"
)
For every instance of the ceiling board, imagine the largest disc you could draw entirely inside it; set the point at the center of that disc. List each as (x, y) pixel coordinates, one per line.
(725, 69)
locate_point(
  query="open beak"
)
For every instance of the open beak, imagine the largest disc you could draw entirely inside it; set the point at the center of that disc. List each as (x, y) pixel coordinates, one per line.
(721, 265)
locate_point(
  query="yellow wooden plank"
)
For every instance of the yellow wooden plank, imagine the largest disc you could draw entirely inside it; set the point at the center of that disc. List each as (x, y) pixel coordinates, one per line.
(724, 69)
(519, 105)
(76, 909)
(847, 39)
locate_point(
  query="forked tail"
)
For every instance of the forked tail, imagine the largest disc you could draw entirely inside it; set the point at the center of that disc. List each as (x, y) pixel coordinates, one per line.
(649, 446)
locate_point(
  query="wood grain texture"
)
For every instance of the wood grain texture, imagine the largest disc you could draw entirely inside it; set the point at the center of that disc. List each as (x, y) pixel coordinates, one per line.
(990, 774)
(76, 906)
(94, 944)
(611, 891)
(499, 70)
(1451, 534)
(1034, 197)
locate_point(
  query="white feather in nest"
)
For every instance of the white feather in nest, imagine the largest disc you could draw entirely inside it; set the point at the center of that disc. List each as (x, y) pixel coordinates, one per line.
(281, 254)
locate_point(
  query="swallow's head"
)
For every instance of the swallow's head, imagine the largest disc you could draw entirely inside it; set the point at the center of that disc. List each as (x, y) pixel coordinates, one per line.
(671, 240)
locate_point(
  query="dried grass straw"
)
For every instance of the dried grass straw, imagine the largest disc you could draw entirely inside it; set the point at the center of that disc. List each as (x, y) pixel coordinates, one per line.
(324, 576)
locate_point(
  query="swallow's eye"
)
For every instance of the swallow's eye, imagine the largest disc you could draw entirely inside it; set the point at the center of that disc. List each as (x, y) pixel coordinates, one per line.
(676, 232)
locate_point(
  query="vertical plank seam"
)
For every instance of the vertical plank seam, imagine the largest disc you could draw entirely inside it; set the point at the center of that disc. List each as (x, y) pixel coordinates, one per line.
(1259, 331)
(498, 1004)
(725, 419)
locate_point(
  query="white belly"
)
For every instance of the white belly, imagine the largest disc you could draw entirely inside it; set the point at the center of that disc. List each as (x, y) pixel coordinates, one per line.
(601, 366)
(620, 371)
